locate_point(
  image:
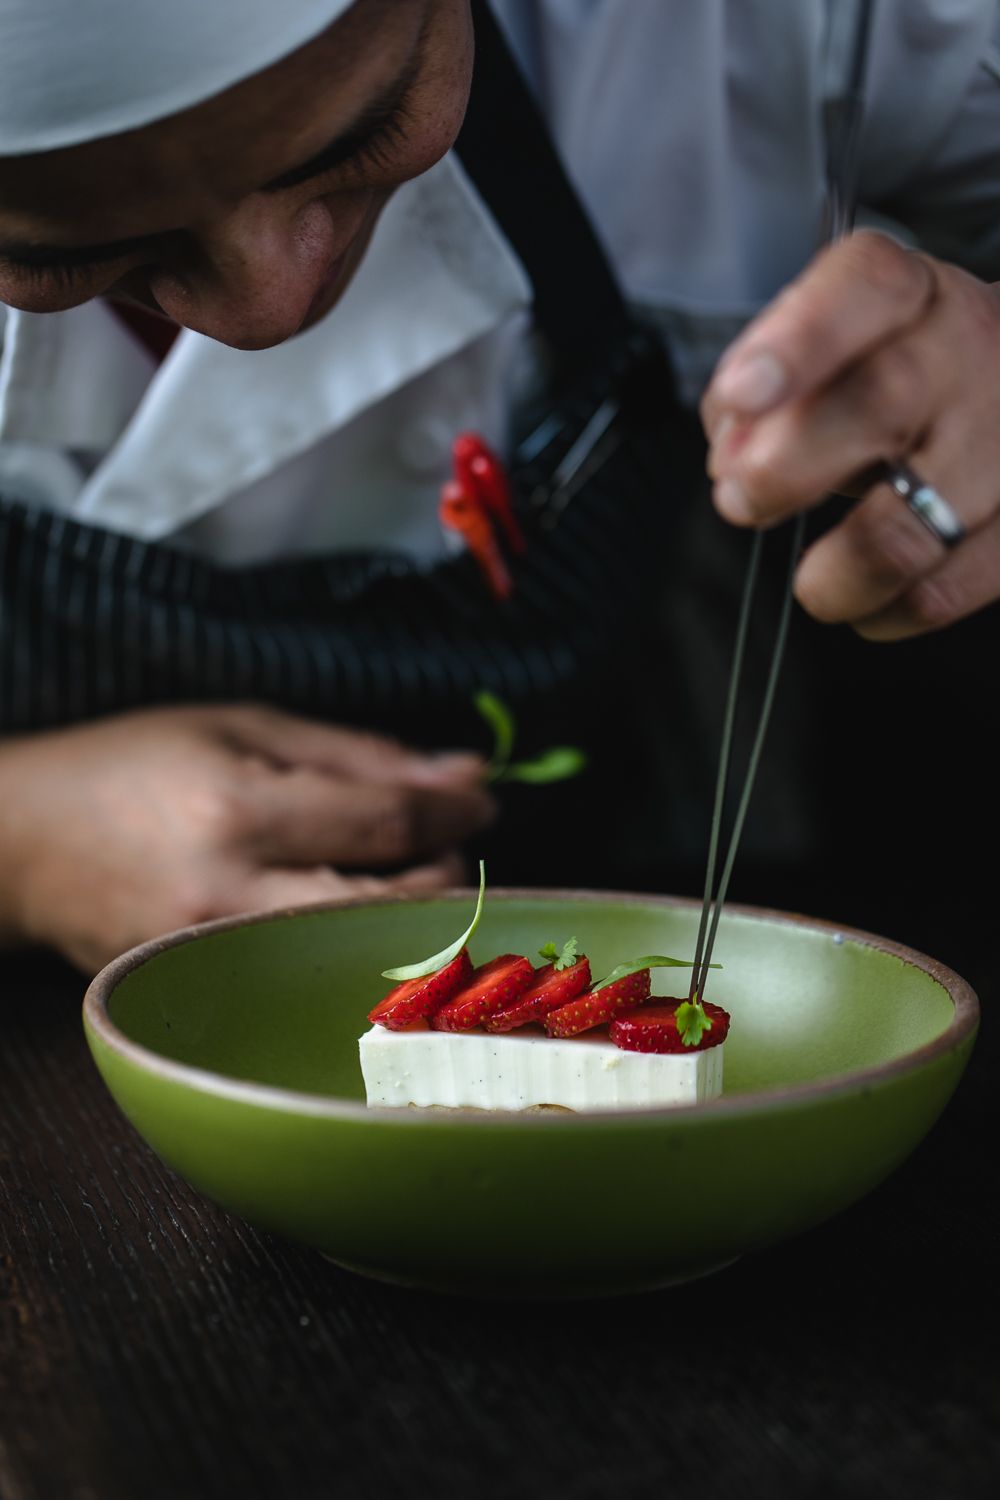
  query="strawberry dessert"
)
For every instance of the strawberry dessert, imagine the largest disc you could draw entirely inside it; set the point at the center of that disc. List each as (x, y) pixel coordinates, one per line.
(507, 1035)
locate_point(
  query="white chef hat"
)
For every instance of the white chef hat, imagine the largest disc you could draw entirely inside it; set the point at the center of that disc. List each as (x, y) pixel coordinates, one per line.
(74, 70)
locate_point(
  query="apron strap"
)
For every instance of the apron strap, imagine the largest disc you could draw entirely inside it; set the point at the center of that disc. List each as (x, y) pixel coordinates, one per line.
(505, 147)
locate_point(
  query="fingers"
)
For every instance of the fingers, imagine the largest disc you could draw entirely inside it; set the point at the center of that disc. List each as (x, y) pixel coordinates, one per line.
(852, 298)
(317, 793)
(878, 552)
(449, 870)
(881, 552)
(885, 358)
(927, 387)
(306, 817)
(274, 890)
(278, 889)
(289, 740)
(793, 457)
(966, 581)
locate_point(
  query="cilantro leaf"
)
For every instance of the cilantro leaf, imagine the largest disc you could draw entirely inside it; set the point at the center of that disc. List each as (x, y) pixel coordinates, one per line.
(651, 961)
(564, 959)
(438, 961)
(556, 764)
(692, 1022)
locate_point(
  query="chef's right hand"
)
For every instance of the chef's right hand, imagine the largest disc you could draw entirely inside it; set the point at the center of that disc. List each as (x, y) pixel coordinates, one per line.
(116, 831)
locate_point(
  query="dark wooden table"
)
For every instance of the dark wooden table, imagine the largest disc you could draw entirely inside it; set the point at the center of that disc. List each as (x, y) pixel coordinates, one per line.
(152, 1346)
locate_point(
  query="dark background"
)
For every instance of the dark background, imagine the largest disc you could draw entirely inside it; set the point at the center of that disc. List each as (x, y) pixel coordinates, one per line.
(151, 1346)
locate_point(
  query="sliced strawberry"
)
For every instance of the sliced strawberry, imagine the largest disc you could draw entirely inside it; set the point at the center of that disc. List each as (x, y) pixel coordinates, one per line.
(489, 988)
(550, 988)
(599, 1006)
(654, 1028)
(415, 998)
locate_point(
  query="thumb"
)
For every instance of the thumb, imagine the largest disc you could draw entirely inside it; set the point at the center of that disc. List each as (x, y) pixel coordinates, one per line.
(277, 889)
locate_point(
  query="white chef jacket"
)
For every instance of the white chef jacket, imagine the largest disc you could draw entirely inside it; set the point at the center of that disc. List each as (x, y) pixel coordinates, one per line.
(693, 131)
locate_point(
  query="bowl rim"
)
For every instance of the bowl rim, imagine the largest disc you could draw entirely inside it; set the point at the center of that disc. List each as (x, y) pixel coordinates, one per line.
(961, 1028)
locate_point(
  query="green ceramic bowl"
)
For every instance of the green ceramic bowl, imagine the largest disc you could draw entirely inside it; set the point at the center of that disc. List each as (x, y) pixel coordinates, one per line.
(233, 1050)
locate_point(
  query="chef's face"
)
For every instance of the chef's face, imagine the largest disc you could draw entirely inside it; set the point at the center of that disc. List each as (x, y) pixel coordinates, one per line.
(245, 217)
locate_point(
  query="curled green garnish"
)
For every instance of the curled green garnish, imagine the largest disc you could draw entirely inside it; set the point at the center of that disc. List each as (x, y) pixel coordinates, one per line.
(555, 764)
(438, 961)
(651, 961)
(500, 719)
(561, 959)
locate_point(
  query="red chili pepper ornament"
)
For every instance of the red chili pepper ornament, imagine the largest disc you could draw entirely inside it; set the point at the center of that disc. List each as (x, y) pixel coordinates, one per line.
(483, 474)
(463, 511)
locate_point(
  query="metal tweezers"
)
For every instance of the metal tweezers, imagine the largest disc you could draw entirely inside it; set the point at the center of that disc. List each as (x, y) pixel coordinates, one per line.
(843, 136)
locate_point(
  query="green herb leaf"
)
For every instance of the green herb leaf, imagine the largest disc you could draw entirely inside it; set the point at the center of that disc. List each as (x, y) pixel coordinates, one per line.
(557, 764)
(651, 961)
(431, 965)
(692, 1022)
(500, 719)
(561, 959)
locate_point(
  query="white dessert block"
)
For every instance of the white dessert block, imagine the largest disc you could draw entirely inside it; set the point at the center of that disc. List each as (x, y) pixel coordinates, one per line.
(519, 1070)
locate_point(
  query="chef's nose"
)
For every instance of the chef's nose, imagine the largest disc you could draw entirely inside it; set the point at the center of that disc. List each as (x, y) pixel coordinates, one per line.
(255, 275)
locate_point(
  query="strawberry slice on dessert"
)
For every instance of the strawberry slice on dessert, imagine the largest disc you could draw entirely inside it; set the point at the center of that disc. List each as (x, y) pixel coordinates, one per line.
(489, 988)
(599, 1006)
(551, 988)
(654, 1028)
(415, 999)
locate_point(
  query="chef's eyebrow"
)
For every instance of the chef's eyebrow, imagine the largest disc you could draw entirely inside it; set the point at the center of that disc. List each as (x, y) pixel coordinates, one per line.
(377, 116)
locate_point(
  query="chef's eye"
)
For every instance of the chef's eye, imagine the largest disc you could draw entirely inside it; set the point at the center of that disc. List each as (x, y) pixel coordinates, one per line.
(377, 150)
(373, 146)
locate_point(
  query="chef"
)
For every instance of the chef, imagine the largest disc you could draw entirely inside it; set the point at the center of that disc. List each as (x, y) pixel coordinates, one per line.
(257, 276)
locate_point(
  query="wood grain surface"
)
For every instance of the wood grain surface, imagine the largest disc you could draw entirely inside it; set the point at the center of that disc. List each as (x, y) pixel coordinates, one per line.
(152, 1346)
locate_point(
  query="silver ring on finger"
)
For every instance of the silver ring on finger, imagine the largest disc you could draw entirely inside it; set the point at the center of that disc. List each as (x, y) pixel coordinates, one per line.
(927, 504)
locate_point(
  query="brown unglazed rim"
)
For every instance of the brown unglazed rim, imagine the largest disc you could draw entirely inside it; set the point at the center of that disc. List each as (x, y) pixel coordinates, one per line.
(95, 1011)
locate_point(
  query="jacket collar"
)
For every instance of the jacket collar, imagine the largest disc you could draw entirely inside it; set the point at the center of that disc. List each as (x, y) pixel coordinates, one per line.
(172, 443)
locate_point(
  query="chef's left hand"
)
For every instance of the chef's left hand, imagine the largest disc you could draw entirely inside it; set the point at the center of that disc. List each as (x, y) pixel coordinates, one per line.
(874, 353)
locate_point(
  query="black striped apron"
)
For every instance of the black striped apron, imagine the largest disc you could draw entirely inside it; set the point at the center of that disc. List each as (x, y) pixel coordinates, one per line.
(94, 623)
